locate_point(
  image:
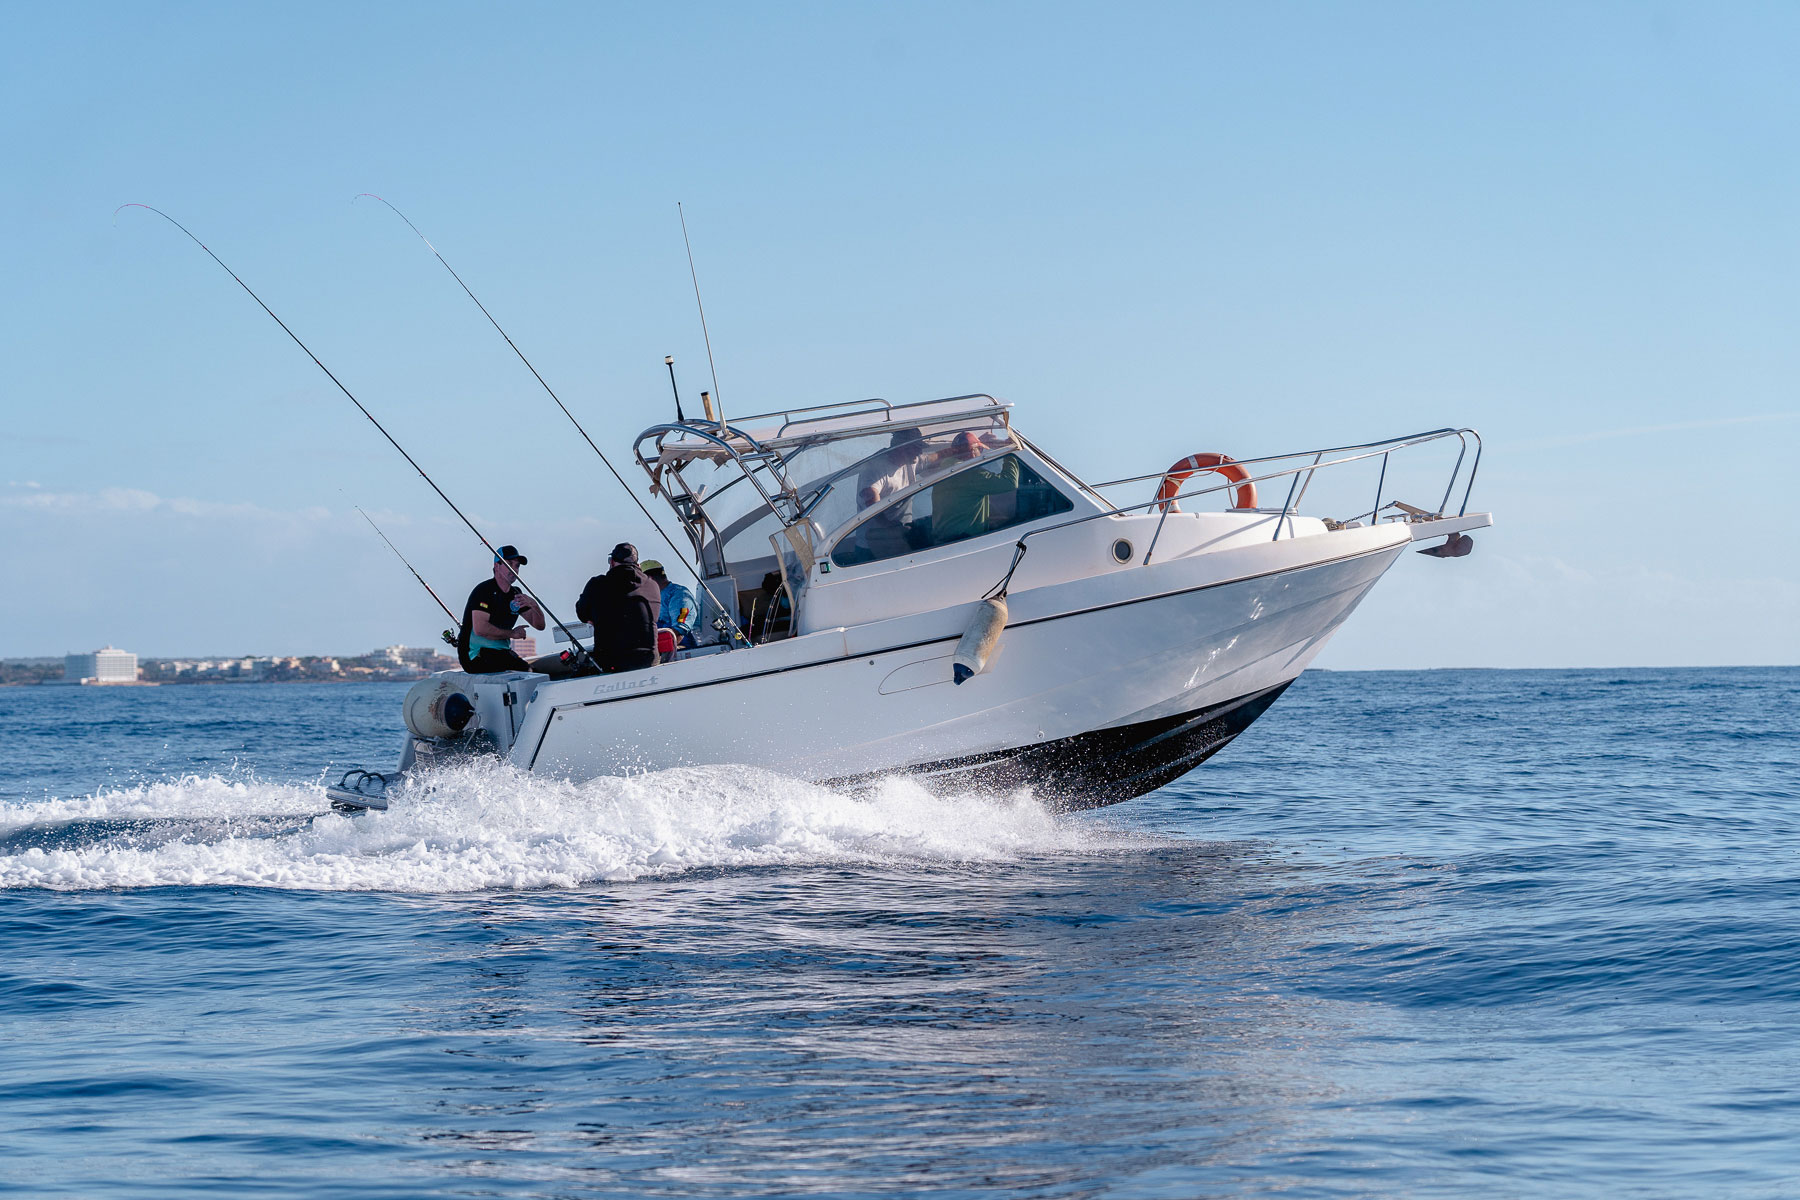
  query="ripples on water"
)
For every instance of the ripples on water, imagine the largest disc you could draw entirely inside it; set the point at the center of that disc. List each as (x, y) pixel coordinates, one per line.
(1453, 933)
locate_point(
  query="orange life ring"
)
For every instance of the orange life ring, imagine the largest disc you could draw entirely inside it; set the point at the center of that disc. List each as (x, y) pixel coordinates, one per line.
(1224, 464)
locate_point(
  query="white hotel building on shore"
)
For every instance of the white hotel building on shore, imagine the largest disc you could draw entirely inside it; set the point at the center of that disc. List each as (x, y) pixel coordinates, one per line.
(106, 665)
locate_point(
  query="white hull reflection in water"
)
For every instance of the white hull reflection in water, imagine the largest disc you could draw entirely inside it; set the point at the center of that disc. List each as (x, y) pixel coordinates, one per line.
(483, 824)
(1135, 640)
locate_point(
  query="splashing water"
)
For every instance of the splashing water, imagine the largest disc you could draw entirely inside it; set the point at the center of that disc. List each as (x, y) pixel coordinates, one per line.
(486, 825)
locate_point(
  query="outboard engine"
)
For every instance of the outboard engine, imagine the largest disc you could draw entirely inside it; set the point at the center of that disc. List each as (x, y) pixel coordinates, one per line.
(448, 717)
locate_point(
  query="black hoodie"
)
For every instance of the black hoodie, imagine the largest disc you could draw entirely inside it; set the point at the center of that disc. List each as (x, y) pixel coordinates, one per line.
(622, 605)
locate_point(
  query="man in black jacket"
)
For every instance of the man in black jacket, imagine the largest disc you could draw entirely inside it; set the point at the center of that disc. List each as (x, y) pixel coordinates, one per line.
(490, 619)
(622, 606)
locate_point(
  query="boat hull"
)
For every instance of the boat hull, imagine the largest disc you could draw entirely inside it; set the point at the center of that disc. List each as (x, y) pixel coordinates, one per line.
(1106, 766)
(1093, 696)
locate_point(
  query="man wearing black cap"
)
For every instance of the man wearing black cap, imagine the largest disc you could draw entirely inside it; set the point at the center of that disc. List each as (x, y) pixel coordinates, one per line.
(622, 606)
(484, 644)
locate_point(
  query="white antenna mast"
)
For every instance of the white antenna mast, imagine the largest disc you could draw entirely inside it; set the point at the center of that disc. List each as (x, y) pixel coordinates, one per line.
(692, 274)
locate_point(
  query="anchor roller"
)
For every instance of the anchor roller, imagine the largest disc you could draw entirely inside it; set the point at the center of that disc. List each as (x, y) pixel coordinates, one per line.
(1454, 546)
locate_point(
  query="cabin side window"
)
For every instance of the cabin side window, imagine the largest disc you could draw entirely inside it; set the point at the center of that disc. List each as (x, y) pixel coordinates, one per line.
(981, 499)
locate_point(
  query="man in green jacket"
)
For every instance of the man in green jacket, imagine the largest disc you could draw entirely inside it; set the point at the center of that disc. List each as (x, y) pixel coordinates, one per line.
(961, 506)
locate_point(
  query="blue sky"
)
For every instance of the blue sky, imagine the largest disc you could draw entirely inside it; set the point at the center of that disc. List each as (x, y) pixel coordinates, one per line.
(1156, 229)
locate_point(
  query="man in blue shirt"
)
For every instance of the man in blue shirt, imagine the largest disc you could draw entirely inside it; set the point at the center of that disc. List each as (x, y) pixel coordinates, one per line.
(678, 608)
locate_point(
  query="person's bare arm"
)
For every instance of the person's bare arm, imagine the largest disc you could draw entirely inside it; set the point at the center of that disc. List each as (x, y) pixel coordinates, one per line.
(528, 608)
(482, 625)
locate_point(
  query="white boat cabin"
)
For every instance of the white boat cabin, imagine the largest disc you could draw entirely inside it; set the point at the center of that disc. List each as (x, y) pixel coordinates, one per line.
(850, 514)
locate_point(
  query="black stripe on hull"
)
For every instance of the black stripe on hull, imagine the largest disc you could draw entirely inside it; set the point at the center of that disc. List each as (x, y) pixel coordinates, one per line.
(1091, 770)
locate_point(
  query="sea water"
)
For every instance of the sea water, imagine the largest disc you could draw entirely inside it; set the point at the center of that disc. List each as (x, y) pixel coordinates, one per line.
(1521, 933)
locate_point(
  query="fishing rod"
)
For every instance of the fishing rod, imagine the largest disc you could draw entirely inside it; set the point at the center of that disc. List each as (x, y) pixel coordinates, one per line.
(673, 547)
(364, 411)
(415, 574)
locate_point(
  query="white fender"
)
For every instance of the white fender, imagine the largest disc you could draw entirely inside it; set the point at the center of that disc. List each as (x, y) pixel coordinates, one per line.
(436, 708)
(979, 640)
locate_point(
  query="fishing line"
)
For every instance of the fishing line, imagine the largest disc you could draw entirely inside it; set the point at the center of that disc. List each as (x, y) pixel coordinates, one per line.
(359, 407)
(673, 546)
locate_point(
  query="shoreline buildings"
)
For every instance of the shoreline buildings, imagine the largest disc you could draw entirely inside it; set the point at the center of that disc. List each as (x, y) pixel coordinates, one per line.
(386, 663)
(111, 667)
(105, 665)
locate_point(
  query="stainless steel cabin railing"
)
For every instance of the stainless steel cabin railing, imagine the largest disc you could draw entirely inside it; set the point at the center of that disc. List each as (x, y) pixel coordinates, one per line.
(852, 408)
(871, 406)
(1356, 453)
(761, 456)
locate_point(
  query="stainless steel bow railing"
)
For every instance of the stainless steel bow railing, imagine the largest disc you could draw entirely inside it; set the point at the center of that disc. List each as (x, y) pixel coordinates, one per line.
(1299, 479)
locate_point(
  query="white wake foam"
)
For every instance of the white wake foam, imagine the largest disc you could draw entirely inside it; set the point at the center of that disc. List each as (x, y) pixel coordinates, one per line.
(486, 825)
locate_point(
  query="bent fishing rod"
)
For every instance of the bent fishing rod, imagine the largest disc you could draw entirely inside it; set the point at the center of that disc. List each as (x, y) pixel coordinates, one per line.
(415, 574)
(674, 548)
(582, 650)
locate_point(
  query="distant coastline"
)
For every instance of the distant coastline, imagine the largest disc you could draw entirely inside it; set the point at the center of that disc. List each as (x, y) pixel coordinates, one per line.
(395, 663)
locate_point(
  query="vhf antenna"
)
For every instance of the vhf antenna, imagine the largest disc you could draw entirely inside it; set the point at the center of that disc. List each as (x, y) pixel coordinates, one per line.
(711, 366)
(669, 362)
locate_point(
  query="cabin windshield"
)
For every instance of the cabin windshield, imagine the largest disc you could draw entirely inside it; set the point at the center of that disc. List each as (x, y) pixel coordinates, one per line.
(902, 458)
(995, 493)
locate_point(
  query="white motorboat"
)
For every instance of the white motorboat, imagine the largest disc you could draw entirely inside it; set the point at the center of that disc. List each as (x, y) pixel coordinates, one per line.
(920, 589)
